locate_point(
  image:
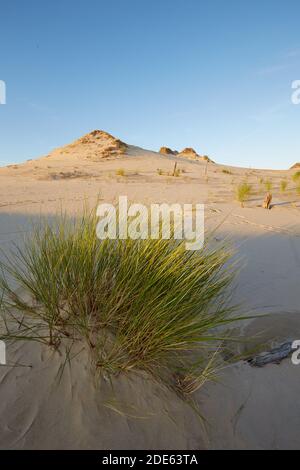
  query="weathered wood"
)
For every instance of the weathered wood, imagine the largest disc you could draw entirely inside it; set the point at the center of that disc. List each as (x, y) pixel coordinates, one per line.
(206, 167)
(275, 356)
(267, 201)
(174, 171)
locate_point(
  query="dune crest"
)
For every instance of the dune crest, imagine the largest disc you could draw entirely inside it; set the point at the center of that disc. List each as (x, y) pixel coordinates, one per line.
(94, 146)
(190, 153)
(167, 151)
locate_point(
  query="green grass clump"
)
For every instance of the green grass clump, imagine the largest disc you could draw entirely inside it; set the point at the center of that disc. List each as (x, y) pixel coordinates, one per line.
(243, 192)
(120, 172)
(296, 177)
(268, 185)
(283, 185)
(135, 304)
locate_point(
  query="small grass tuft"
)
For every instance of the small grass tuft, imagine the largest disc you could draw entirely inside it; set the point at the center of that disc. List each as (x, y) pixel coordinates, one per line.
(120, 172)
(296, 177)
(283, 186)
(243, 192)
(268, 185)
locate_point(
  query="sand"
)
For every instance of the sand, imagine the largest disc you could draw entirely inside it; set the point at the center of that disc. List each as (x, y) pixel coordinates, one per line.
(248, 407)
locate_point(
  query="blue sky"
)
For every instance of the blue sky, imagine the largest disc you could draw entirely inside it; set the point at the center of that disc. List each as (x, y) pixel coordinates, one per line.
(213, 75)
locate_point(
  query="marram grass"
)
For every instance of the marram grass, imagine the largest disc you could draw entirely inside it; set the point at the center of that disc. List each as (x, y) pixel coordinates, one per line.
(138, 305)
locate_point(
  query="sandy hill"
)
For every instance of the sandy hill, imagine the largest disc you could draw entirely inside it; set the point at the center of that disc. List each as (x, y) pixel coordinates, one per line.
(81, 158)
(98, 145)
(99, 161)
(99, 155)
(94, 145)
(167, 151)
(247, 407)
(190, 153)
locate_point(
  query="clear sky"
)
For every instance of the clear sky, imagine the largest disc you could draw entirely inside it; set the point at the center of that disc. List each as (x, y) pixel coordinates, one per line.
(214, 75)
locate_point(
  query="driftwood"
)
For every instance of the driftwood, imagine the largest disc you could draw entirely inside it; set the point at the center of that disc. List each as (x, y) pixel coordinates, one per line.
(267, 201)
(275, 356)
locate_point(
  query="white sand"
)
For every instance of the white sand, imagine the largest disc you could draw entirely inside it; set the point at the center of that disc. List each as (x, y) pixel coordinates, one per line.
(248, 407)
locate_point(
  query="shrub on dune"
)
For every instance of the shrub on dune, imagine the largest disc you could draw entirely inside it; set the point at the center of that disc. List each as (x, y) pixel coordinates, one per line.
(243, 192)
(137, 304)
(296, 177)
(283, 185)
(268, 185)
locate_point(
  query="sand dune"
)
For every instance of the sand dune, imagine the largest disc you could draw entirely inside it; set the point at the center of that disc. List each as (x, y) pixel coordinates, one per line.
(248, 407)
